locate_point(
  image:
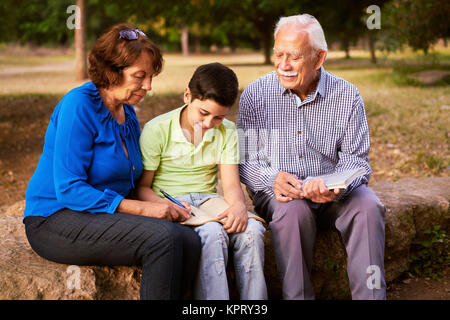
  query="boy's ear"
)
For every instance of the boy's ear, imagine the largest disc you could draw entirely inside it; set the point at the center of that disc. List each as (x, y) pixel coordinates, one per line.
(187, 96)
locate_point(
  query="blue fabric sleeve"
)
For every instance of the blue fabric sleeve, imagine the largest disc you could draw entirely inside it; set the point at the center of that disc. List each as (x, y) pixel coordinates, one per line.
(73, 152)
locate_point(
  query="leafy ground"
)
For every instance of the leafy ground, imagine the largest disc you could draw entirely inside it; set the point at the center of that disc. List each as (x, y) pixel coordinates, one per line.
(409, 120)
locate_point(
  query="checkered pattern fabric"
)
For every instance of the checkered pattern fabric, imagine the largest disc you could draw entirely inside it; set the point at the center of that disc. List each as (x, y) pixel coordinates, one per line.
(325, 133)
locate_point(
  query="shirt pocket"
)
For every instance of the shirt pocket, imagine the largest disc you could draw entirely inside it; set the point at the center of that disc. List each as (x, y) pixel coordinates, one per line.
(325, 142)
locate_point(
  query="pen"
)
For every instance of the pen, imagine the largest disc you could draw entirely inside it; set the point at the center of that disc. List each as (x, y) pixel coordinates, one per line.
(168, 196)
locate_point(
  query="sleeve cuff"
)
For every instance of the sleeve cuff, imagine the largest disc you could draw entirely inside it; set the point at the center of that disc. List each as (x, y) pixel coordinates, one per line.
(114, 199)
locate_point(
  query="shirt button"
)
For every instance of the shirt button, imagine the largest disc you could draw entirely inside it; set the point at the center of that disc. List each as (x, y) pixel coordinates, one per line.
(299, 131)
(134, 168)
(300, 156)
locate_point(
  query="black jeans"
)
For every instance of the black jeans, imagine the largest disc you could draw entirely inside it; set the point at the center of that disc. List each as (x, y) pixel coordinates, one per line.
(168, 252)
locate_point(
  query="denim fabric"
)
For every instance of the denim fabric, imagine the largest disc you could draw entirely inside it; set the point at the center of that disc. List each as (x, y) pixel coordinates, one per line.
(168, 252)
(248, 256)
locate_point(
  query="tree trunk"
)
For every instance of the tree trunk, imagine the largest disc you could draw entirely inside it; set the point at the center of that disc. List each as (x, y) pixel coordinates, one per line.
(80, 43)
(372, 39)
(198, 45)
(266, 39)
(347, 51)
(185, 41)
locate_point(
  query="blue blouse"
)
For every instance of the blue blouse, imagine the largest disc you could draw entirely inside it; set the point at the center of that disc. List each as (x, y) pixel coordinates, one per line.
(83, 166)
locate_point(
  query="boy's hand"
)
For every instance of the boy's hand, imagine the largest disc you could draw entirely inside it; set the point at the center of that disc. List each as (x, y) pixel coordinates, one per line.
(237, 218)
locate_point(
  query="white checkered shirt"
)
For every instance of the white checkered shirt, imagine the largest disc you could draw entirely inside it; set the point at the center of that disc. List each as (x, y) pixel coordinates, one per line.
(325, 133)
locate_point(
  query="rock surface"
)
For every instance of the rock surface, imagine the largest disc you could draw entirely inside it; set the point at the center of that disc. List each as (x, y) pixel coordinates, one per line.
(413, 206)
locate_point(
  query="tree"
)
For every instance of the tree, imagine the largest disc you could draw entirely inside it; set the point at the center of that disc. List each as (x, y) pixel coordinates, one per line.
(343, 22)
(80, 42)
(418, 23)
(257, 17)
(35, 22)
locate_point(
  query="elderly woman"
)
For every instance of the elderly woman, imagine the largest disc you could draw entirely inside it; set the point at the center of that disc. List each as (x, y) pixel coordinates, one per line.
(77, 210)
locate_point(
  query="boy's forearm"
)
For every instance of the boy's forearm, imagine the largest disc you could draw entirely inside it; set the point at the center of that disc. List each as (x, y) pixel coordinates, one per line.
(234, 196)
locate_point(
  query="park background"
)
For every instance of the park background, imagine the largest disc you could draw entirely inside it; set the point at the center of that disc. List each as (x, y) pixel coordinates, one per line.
(395, 52)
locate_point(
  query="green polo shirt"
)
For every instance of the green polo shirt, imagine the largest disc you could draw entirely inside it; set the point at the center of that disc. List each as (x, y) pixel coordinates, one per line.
(179, 166)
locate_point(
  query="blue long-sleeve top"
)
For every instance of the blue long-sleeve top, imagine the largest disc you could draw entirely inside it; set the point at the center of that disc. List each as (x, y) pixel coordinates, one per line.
(83, 166)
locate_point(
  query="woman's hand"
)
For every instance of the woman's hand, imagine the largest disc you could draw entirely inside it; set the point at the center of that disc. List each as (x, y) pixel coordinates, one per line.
(166, 209)
(237, 218)
(159, 208)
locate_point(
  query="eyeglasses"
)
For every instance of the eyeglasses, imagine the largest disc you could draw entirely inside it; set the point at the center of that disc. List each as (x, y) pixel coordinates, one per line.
(131, 34)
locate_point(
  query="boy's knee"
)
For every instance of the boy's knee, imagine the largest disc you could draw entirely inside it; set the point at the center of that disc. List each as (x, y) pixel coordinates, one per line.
(256, 228)
(212, 232)
(252, 236)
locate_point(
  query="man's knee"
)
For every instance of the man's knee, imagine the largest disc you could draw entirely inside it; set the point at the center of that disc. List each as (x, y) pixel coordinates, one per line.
(367, 203)
(296, 211)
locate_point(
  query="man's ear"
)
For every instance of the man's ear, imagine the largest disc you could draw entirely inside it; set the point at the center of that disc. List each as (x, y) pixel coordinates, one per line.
(320, 59)
(187, 96)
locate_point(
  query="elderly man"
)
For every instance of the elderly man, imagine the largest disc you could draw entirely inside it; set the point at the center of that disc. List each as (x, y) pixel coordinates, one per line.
(301, 121)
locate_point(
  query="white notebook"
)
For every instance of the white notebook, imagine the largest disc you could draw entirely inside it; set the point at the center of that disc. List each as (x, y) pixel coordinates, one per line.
(339, 180)
(209, 211)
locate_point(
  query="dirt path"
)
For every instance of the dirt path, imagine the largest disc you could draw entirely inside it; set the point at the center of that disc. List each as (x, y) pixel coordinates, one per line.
(60, 66)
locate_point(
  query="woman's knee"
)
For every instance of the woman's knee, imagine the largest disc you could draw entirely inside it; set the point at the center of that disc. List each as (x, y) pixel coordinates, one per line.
(190, 238)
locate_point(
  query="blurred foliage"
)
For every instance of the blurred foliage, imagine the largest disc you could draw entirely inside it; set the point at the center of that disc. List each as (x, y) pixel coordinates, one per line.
(233, 23)
(431, 255)
(418, 23)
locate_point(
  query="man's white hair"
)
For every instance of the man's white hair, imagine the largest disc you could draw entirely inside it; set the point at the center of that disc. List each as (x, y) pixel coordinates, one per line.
(305, 22)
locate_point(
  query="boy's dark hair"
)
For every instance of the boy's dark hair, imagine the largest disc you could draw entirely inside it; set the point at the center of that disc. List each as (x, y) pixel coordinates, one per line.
(214, 81)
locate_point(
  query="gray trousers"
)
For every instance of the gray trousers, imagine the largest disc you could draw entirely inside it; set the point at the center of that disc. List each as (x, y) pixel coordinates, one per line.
(359, 219)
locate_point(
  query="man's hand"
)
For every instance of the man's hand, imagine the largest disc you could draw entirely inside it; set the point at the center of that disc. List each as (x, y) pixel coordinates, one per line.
(316, 191)
(287, 187)
(237, 218)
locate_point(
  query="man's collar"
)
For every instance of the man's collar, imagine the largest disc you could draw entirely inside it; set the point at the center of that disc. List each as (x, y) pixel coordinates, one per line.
(321, 87)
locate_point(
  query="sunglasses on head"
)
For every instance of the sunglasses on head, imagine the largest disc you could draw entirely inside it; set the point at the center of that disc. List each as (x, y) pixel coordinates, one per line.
(131, 34)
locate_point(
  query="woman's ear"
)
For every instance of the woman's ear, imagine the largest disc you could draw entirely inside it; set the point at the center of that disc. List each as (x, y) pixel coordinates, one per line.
(187, 96)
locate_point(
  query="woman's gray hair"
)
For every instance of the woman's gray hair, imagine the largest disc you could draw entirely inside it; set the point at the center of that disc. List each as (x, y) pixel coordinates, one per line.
(305, 22)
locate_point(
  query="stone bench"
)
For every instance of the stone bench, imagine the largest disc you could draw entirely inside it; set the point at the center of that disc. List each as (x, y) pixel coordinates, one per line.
(413, 206)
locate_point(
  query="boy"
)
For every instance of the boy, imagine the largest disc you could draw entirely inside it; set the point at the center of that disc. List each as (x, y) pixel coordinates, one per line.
(182, 151)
